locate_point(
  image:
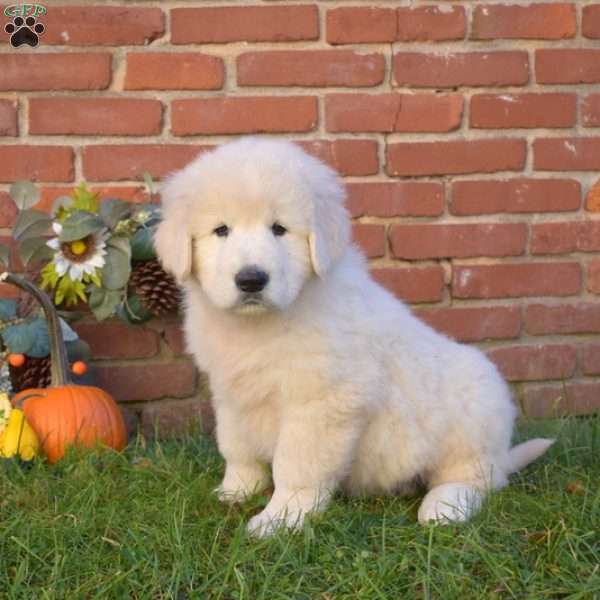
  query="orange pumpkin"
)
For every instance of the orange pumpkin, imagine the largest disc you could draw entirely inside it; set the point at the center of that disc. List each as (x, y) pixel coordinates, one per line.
(65, 414)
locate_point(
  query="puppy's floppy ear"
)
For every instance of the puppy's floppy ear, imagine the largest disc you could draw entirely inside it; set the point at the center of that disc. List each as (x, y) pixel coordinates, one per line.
(330, 234)
(172, 239)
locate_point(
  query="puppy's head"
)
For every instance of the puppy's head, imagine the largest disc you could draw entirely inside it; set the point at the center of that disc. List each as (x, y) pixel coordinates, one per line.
(252, 221)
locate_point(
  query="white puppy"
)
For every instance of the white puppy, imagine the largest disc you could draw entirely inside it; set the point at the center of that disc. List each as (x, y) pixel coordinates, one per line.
(315, 369)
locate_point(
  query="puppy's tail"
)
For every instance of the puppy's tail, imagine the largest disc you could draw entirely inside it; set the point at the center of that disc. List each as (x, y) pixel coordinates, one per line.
(521, 455)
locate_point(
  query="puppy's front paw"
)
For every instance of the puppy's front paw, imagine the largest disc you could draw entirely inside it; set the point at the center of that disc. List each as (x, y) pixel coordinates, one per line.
(265, 523)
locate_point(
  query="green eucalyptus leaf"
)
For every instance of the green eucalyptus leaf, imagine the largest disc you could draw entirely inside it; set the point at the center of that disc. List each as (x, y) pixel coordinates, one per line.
(117, 267)
(79, 225)
(35, 249)
(142, 246)
(31, 223)
(18, 338)
(8, 309)
(41, 339)
(120, 243)
(4, 255)
(24, 194)
(113, 210)
(116, 270)
(103, 303)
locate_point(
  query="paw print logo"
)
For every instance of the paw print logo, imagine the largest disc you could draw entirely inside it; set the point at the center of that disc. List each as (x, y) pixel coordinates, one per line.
(24, 31)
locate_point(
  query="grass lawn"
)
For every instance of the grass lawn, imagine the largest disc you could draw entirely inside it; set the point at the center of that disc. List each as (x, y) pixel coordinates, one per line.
(144, 524)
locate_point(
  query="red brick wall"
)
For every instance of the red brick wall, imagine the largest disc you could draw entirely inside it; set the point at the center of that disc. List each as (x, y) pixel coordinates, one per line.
(467, 133)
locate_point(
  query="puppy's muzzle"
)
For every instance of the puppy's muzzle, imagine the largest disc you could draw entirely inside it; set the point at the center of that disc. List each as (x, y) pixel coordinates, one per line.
(251, 280)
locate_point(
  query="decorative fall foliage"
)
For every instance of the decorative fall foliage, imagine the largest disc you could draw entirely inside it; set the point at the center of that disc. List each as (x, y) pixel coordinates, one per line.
(66, 414)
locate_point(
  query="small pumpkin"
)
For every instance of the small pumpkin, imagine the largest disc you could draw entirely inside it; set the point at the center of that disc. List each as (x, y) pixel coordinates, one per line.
(17, 438)
(64, 413)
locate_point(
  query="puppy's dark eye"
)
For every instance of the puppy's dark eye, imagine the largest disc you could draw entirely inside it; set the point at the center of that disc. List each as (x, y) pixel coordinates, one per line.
(278, 229)
(222, 231)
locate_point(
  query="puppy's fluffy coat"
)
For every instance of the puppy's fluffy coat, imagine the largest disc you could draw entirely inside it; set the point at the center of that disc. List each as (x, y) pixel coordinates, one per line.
(322, 373)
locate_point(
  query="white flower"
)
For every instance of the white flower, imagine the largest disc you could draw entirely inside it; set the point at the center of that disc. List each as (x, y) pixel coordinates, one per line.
(80, 256)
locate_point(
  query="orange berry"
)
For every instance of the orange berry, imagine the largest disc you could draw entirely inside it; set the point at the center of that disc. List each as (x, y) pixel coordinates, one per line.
(16, 360)
(79, 367)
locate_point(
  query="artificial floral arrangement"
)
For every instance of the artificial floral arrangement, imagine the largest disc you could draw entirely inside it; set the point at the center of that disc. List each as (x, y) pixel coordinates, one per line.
(86, 252)
(99, 253)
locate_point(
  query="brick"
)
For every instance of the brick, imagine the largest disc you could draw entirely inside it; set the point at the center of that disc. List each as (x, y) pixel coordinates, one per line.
(131, 383)
(566, 154)
(37, 163)
(360, 24)
(393, 112)
(102, 25)
(8, 118)
(370, 238)
(508, 111)
(479, 197)
(221, 24)
(8, 291)
(95, 116)
(474, 324)
(592, 200)
(591, 359)
(171, 418)
(535, 21)
(590, 110)
(172, 333)
(117, 340)
(8, 210)
(567, 65)
(545, 401)
(310, 68)
(414, 285)
(455, 157)
(456, 69)
(60, 71)
(535, 362)
(590, 21)
(413, 242)
(350, 25)
(130, 161)
(566, 237)
(395, 199)
(348, 157)
(516, 280)
(593, 277)
(431, 24)
(173, 71)
(260, 114)
(542, 319)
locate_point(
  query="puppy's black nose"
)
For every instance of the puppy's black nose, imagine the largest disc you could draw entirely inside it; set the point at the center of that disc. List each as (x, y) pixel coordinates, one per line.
(251, 279)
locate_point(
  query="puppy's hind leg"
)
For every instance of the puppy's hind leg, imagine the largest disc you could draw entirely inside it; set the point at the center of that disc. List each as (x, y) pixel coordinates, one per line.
(450, 502)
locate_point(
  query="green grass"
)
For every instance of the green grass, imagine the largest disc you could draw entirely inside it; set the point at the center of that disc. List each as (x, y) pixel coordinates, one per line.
(143, 524)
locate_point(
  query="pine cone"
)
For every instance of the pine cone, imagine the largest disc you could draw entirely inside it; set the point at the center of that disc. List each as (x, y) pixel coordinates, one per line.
(35, 373)
(155, 288)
